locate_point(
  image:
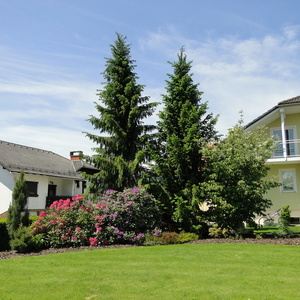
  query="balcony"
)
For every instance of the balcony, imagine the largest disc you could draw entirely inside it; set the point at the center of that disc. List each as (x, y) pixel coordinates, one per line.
(288, 151)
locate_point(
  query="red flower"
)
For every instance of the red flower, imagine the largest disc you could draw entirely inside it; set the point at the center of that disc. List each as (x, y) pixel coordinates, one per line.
(93, 241)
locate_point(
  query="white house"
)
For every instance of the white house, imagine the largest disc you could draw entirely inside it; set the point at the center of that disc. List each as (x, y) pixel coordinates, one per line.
(48, 175)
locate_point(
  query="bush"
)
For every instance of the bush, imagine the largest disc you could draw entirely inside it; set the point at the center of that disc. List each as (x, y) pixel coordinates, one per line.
(284, 221)
(24, 241)
(128, 215)
(218, 232)
(167, 238)
(117, 217)
(4, 237)
(185, 237)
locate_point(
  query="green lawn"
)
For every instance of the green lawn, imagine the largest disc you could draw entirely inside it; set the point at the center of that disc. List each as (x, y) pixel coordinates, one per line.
(203, 271)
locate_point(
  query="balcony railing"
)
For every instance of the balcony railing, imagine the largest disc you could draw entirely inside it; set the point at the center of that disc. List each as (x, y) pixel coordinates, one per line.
(291, 148)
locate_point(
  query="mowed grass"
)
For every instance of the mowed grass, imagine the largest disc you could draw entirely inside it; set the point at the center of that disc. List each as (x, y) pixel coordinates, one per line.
(189, 271)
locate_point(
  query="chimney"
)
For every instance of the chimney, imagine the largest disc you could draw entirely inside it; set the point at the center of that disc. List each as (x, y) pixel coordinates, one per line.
(76, 155)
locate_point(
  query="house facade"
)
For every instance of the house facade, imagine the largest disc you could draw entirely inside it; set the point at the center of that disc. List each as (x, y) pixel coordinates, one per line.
(48, 176)
(283, 123)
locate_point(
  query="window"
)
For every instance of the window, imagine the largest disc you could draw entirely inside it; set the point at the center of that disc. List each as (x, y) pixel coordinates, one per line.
(288, 180)
(32, 188)
(289, 137)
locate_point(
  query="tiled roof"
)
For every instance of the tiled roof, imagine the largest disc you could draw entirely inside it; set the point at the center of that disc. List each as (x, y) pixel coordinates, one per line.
(295, 100)
(14, 158)
(291, 101)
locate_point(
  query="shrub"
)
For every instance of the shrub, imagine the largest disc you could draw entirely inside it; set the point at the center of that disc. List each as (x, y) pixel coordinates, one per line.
(128, 215)
(185, 237)
(284, 221)
(68, 223)
(117, 217)
(218, 232)
(25, 241)
(4, 237)
(167, 238)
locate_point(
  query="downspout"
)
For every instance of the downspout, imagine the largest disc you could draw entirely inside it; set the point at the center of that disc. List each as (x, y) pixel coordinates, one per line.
(282, 117)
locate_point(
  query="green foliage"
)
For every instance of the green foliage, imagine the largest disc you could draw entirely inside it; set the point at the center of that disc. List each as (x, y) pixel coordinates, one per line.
(217, 232)
(4, 237)
(284, 221)
(167, 238)
(17, 212)
(236, 182)
(24, 241)
(184, 127)
(119, 156)
(115, 218)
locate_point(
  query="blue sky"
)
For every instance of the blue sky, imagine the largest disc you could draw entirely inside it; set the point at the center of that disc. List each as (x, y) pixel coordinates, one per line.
(246, 56)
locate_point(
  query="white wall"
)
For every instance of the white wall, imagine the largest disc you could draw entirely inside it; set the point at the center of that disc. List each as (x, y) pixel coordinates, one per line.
(6, 187)
(63, 187)
(40, 201)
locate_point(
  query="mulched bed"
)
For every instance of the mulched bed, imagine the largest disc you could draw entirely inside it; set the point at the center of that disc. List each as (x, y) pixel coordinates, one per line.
(266, 241)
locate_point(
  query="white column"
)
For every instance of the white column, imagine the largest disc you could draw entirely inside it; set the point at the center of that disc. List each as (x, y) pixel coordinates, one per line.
(282, 116)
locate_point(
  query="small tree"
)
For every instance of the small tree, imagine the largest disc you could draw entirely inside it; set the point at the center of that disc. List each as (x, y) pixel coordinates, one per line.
(122, 108)
(236, 181)
(284, 221)
(17, 212)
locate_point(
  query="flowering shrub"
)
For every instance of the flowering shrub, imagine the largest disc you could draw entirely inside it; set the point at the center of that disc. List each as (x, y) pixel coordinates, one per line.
(68, 223)
(117, 217)
(128, 215)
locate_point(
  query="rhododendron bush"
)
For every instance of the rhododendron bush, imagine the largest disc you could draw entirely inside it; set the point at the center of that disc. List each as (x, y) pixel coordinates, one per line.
(116, 217)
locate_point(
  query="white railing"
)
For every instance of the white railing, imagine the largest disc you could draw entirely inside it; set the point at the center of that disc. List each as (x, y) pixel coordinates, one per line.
(291, 148)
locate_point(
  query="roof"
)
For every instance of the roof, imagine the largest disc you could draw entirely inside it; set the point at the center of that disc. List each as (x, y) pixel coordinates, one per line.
(284, 103)
(15, 158)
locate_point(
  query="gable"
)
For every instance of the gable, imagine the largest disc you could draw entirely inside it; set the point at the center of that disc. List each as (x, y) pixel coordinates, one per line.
(288, 107)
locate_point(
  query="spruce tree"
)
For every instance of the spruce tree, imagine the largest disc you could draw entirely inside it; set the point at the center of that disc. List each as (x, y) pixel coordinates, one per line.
(184, 127)
(17, 211)
(122, 108)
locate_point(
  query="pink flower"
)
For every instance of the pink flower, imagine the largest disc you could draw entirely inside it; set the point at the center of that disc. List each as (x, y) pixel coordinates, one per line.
(99, 229)
(77, 228)
(73, 238)
(93, 241)
(52, 222)
(43, 214)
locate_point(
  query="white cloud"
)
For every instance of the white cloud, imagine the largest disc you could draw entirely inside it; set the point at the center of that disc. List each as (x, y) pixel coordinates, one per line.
(58, 140)
(236, 74)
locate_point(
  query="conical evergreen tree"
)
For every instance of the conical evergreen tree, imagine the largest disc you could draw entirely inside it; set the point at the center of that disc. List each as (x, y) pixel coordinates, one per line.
(17, 211)
(184, 127)
(119, 156)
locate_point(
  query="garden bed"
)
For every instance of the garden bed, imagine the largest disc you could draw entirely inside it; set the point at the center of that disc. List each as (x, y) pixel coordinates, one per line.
(271, 241)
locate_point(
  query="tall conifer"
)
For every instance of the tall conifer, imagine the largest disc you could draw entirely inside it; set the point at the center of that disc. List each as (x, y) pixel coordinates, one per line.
(184, 127)
(122, 108)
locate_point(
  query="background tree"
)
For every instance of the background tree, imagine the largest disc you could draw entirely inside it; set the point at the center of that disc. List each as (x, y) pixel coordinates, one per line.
(119, 156)
(236, 173)
(184, 127)
(17, 211)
